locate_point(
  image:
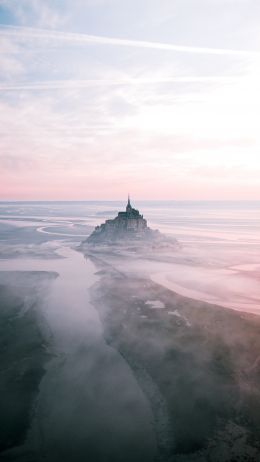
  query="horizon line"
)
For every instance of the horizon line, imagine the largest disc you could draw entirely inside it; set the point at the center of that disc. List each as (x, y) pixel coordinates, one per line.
(134, 200)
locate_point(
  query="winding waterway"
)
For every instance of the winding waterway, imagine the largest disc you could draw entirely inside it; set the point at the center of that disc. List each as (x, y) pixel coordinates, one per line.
(89, 406)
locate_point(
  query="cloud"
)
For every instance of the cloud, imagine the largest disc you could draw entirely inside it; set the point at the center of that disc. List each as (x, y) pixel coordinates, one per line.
(45, 34)
(79, 109)
(11, 67)
(40, 13)
(12, 163)
(70, 84)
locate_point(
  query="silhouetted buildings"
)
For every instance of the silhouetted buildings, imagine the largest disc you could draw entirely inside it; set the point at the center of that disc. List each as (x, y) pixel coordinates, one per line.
(127, 225)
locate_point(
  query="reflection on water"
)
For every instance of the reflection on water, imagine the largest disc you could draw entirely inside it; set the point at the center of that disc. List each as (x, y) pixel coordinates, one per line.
(88, 394)
(215, 237)
(88, 389)
(220, 219)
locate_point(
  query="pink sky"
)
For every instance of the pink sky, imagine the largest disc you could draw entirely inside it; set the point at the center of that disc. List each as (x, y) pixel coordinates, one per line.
(166, 108)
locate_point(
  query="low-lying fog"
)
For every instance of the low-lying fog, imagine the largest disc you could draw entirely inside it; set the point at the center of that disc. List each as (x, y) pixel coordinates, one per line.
(89, 404)
(218, 262)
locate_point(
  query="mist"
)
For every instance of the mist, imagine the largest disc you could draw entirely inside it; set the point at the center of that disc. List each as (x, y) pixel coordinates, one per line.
(121, 353)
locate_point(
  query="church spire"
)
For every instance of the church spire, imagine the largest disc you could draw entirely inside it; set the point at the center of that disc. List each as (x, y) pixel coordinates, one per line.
(128, 207)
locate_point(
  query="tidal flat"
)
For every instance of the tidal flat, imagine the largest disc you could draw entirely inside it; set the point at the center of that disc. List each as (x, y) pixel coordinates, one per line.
(23, 351)
(107, 356)
(197, 363)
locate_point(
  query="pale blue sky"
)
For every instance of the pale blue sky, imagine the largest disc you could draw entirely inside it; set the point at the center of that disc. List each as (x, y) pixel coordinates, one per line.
(99, 97)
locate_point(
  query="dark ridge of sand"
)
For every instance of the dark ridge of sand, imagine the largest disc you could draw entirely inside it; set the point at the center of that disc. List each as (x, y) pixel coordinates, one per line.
(23, 352)
(203, 360)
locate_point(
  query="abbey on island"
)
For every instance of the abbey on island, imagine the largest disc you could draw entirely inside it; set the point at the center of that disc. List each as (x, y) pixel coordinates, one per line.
(127, 224)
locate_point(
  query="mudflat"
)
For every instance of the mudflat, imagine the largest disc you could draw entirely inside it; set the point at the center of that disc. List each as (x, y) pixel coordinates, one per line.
(197, 363)
(23, 352)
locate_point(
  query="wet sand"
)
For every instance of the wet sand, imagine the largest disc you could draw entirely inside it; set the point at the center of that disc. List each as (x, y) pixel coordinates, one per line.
(23, 351)
(88, 403)
(225, 287)
(131, 371)
(197, 363)
(203, 274)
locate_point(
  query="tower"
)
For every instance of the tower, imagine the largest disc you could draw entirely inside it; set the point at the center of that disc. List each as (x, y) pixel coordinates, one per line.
(128, 207)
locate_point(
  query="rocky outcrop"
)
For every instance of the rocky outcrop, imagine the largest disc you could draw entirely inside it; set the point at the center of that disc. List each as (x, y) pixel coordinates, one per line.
(129, 230)
(126, 225)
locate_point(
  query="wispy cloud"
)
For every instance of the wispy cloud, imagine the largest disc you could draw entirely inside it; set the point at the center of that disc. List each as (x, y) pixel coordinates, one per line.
(77, 84)
(11, 65)
(12, 163)
(46, 34)
(150, 109)
(40, 13)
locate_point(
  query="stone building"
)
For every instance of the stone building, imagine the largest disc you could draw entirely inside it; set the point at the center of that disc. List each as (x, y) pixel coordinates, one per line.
(128, 224)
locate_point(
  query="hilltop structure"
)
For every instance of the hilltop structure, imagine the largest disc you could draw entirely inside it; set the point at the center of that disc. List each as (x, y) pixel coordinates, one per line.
(127, 225)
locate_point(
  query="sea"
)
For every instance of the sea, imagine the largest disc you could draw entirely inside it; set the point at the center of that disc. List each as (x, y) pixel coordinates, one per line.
(201, 220)
(219, 260)
(90, 404)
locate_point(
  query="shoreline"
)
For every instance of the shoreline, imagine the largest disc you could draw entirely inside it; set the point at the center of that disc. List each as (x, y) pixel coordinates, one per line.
(194, 362)
(25, 353)
(190, 350)
(191, 293)
(175, 372)
(80, 356)
(231, 286)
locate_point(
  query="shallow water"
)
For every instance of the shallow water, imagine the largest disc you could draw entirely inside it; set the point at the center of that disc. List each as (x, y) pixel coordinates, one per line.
(89, 404)
(220, 242)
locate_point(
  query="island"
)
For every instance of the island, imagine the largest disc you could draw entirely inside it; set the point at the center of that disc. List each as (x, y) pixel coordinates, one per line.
(196, 363)
(129, 227)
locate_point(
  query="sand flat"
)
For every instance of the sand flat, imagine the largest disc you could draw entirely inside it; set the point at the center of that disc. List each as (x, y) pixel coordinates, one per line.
(202, 359)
